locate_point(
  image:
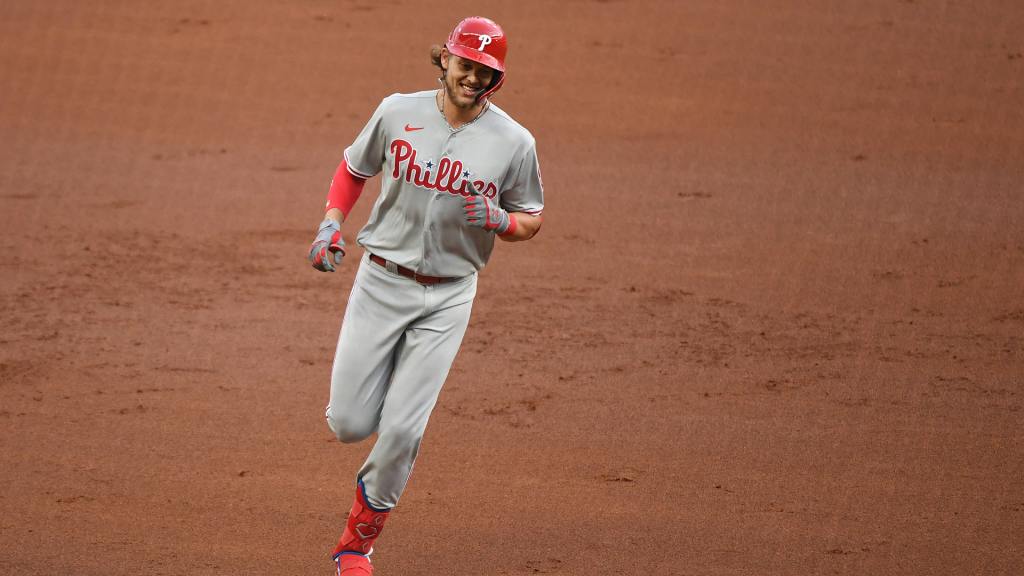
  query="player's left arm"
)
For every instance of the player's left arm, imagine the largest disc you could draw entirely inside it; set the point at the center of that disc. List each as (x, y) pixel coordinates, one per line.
(526, 227)
(515, 215)
(488, 214)
(524, 200)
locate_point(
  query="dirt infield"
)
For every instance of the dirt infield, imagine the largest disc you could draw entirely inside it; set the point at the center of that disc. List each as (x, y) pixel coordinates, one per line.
(774, 323)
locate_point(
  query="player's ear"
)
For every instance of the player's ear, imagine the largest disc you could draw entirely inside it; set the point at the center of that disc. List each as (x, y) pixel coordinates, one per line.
(444, 58)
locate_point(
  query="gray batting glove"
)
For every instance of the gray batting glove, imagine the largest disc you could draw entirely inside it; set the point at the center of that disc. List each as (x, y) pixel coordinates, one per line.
(484, 213)
(328, 248)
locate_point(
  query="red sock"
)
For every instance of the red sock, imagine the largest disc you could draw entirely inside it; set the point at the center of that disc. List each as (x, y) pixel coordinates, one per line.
(364, 525)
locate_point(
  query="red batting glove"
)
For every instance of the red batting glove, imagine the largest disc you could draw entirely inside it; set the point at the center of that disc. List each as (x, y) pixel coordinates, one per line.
(485, 213)
(328, 248)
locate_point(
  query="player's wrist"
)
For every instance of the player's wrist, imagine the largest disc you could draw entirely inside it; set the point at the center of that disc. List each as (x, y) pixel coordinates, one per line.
(329, 223)
(335, 214)
(510, 228)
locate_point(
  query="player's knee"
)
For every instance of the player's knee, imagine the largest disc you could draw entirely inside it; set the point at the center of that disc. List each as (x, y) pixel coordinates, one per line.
(348, 430)
(345, 430)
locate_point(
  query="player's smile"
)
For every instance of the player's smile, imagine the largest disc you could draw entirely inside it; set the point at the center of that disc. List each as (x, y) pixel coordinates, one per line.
(469, 90)
(465, 79)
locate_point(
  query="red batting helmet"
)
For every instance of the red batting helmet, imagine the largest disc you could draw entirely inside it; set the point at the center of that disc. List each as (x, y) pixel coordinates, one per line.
(481, 40)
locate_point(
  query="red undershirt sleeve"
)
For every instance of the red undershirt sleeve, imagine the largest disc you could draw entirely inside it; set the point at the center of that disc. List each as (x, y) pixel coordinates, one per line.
(345, 189)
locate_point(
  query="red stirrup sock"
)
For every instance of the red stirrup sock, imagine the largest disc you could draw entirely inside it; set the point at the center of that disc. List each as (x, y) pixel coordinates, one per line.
(363, 527)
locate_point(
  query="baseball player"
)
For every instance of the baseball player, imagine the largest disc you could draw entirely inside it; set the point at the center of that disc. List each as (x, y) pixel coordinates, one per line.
(457, 173)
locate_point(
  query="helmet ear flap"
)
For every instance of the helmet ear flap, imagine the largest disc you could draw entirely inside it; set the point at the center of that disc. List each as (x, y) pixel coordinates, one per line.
(499, 79)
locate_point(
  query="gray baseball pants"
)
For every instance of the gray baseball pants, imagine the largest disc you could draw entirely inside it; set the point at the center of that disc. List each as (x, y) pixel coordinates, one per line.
(398, 341)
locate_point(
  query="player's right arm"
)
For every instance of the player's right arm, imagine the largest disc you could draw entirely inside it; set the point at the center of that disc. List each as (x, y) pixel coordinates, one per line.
(328, 248)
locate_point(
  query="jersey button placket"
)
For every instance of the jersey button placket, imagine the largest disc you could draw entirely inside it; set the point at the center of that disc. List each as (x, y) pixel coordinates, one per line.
(428, 227)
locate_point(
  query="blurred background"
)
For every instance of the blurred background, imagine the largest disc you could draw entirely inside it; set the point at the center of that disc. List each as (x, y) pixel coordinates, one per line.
(773, 323)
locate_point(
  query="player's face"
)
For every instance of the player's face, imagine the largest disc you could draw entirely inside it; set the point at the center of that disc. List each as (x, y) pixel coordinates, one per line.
(465, 79)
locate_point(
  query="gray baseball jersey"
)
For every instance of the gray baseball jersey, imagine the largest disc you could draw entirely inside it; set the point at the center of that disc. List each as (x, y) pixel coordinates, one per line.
(428, 170)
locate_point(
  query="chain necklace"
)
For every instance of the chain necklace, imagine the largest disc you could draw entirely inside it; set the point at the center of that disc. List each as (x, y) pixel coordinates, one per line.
(442, 97)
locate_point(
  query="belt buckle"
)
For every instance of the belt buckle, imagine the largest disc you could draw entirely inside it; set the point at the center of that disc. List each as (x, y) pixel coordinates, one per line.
(391, 266)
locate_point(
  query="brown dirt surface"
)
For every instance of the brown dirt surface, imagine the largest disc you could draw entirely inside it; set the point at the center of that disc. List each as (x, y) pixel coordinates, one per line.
(774, 323)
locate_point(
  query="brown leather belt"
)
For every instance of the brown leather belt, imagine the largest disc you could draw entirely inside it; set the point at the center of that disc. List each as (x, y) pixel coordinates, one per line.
(411, 274)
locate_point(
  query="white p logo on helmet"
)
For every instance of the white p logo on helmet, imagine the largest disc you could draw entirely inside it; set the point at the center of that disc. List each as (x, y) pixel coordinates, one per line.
(484, 41)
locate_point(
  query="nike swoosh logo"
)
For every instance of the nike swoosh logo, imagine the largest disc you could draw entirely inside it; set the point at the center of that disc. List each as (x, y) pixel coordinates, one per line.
(411, 128)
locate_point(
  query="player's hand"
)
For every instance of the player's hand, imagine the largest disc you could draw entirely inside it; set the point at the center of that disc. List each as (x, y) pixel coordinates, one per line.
(484, 213)
(328, 248)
